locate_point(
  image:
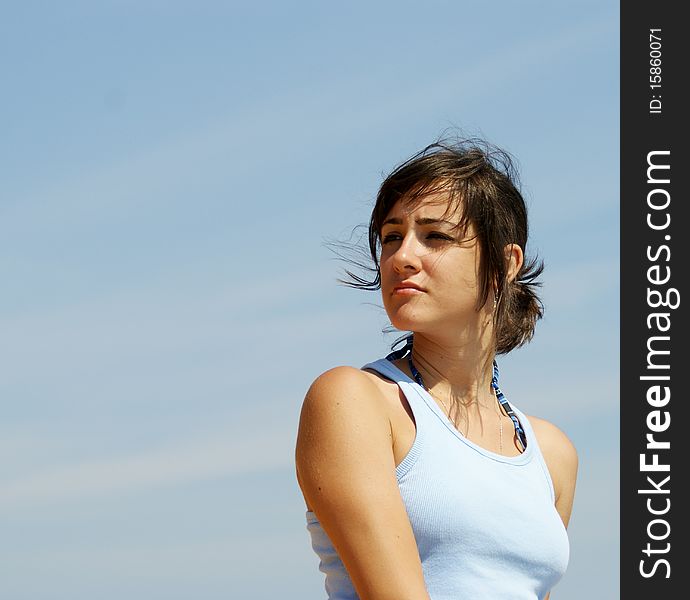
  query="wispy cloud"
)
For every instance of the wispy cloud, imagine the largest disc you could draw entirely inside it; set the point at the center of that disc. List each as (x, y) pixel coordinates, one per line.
(166, 167)
(575, 285)
(220, 454)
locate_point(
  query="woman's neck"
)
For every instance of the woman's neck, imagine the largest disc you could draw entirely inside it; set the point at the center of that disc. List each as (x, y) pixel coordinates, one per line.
(462, 371)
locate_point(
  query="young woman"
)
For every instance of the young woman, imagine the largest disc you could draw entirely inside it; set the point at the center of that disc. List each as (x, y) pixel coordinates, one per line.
(422, 481)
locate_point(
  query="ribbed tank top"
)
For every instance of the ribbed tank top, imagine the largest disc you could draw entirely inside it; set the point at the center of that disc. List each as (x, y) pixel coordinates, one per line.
(485, 524)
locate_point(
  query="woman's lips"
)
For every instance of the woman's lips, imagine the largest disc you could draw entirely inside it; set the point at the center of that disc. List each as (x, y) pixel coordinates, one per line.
(407, 290)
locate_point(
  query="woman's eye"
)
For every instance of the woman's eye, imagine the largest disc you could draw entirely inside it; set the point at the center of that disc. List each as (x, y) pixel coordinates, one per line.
(391, 237)
(440, 236)
(434, 235)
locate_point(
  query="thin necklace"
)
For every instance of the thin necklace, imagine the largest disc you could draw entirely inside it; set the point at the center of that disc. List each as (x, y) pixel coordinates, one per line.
(406, 351)
(500, 420)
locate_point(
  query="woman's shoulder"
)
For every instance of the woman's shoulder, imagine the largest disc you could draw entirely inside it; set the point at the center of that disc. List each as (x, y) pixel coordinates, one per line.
(341, 379)
(342, 390)
(551, 439)
(341, 426)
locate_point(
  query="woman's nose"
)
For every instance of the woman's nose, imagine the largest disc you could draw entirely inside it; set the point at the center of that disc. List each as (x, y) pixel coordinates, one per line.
(407, 254)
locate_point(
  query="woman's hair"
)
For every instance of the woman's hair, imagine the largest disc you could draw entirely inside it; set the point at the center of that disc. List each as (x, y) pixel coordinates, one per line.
(482, 183)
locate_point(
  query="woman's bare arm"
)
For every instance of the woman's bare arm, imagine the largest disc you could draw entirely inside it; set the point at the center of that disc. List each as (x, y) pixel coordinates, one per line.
(561, 459)
(346, 470)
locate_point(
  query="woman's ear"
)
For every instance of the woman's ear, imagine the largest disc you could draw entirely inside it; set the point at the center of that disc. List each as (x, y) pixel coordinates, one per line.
(514, 259)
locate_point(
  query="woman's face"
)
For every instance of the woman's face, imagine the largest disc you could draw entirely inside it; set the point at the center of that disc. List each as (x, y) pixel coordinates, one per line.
(429, 270)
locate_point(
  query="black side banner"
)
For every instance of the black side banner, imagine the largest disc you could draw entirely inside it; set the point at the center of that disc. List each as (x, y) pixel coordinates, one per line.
(655, 431)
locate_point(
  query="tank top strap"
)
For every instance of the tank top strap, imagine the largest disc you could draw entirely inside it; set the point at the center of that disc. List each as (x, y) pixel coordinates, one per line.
(423, 406)
(423, 417)
(536, 450)
(386, 368)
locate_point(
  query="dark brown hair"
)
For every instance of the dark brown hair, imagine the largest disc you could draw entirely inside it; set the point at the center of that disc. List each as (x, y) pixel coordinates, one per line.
(482, 181)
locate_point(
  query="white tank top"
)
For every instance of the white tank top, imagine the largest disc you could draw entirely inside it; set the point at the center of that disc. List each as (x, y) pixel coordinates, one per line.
(485, 524)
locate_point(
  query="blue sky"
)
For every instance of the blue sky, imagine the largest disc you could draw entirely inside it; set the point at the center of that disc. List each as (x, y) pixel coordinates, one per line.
(170, 174)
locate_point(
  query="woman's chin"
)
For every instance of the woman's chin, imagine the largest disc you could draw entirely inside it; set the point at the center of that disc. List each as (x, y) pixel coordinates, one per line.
(406, 322)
